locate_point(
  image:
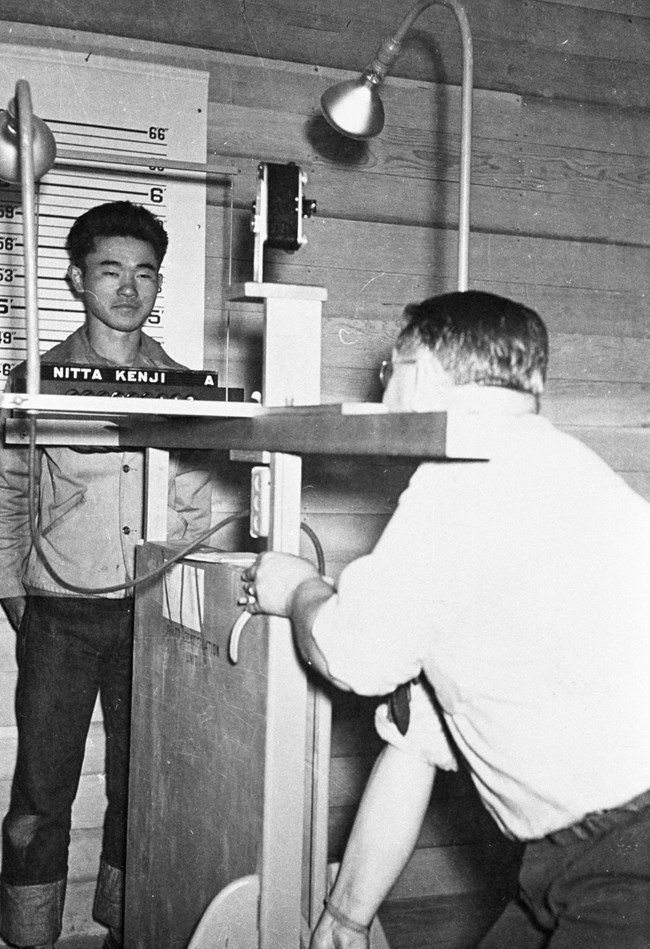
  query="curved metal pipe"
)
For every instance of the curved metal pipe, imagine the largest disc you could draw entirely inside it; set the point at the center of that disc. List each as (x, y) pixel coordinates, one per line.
(28, 195)
(466, 121)
(368, 84)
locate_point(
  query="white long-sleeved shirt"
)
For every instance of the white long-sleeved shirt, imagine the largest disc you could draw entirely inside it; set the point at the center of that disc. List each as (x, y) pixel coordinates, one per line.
(520, 587)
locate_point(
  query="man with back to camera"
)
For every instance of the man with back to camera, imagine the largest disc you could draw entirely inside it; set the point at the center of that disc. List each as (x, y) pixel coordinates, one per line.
(71, 645)
(516, 591)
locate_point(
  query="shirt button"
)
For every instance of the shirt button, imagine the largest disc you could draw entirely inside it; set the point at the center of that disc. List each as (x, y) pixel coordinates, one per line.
(126, 467)
(126, 530)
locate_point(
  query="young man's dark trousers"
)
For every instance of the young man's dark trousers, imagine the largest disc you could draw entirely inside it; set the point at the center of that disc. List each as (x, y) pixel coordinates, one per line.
(69, 649)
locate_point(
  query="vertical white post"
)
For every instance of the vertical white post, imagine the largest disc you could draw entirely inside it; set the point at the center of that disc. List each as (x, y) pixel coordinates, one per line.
(286, 713)
(291, 376)
(156, 491)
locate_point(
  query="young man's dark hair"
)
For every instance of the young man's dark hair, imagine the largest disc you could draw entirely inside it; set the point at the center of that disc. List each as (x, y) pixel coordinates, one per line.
(118, 219)
(480, 338)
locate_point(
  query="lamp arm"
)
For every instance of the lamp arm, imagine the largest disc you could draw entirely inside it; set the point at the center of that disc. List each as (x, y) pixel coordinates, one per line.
(384, 58)
(27, 188)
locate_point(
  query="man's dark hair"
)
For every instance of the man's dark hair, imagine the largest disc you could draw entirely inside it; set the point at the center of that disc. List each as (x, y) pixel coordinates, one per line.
(480, 338)
(117, 219)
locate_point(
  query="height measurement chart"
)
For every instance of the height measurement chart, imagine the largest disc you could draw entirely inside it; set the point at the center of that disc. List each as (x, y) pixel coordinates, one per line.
(107, 109)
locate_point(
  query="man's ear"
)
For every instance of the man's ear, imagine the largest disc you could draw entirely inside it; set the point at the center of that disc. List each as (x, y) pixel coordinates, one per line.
(75, 276)
(160, 282)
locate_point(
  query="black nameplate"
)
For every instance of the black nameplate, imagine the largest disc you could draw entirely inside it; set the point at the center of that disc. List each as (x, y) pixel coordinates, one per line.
(129, 382)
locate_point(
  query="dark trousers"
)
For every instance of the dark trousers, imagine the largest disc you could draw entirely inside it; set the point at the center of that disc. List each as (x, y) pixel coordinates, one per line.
(69, 649)
(586, 887)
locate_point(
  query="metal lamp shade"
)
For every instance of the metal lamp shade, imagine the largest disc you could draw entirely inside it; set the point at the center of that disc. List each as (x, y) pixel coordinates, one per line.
(354, 108)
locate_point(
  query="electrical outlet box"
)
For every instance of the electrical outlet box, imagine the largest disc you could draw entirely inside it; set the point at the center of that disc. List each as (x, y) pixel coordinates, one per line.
(260, 513)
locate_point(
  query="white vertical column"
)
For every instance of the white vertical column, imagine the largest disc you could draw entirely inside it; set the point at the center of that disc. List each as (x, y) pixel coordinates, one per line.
(286, 713)
(156, 492)
(291, 376)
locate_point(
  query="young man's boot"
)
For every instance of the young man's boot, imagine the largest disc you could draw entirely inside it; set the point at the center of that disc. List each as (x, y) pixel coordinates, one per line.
(113, 939)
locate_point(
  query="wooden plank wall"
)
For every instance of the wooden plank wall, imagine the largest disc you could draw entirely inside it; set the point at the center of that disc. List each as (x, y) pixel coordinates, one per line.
(560, 201)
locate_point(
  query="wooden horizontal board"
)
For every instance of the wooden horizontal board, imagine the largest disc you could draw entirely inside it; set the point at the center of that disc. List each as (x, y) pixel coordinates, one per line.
(627, 7)
(353, 486)
(438, 871)
(516, 46)
(578, 30)
(358, 344)
(294, 88)
(610, 404)
(410, 176)
(311, 431)
(393, 264)
(567, 310)
(599, 358)
(459, 920)
(590, 374)
(246, 80)
(579, 125)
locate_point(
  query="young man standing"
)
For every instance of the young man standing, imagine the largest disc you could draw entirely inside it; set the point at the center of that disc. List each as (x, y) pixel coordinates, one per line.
(515, 591)
(72, 645)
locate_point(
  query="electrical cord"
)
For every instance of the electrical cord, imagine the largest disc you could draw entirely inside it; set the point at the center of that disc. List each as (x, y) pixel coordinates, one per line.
(152, 574)
(318, 547)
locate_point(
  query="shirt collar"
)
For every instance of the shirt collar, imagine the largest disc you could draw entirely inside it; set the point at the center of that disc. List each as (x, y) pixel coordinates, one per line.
(490, 399)
(83, 352)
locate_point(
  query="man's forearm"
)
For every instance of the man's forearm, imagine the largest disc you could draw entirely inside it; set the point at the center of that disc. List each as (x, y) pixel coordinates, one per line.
(307, 600)
(384, 834)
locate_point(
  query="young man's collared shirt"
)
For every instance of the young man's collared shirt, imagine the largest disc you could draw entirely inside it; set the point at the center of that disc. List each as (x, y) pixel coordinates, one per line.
(90, 501)
(520, 588)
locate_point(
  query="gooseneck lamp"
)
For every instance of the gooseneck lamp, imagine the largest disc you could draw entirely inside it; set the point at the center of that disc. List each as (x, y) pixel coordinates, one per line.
(354, 108)
(27, 152)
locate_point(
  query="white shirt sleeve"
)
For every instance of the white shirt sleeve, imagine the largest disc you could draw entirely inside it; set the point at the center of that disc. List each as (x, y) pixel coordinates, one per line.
(425, 738)
(376, 630)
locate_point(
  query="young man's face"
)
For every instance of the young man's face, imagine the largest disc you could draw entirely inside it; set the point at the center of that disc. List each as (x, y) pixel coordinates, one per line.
(119, 283)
